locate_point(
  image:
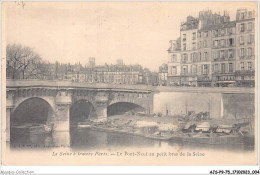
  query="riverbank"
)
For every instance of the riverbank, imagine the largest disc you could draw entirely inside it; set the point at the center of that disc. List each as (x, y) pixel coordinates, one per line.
(170, 128)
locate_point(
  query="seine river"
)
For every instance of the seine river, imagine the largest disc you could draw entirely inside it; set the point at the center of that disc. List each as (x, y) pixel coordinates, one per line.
(87, 139)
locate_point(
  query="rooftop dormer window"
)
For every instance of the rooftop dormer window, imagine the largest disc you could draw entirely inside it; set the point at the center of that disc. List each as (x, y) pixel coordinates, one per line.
(250, 14)
(242, 16)
(184, 37)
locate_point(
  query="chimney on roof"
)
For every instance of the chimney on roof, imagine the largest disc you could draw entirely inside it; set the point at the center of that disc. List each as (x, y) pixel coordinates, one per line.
(119, 62)
(91, 62)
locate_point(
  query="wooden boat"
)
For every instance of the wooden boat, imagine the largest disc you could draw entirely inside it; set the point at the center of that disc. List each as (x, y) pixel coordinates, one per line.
(32, 129)
(209, 138)
(158, 137)
(83, 126)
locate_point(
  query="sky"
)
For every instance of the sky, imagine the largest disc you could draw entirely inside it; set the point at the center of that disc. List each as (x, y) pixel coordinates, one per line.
(137, 32)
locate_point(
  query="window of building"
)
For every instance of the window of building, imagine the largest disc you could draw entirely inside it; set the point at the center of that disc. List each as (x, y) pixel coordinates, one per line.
(249, 65)
(184, 57)
(205, 44)
(250, 26)
(222, 67)
(222, 54)
(241, 40)
(230, 53)
(194, 69)
(184, 37)
(231, 41)
(242, 66)
(216, 54)
(219, 32)
(193, 56)
(216, 43)
(249, 14)
(222, 32)
(184, 69)
(199, 34)
(222, 43)
(193, 46)
(242, 27)
(174, 70)
(249, 52)
(226, 54)
(173, 58)
(215, 67)
(205, 69)
(214, 33)
(200, 56)
(184, 46)
(206, 55)
(230, 67)
(206, 34)
(199, 44)
(250, 39)
(242, 16)
(194, 35)
(242, 53)
(229, 31)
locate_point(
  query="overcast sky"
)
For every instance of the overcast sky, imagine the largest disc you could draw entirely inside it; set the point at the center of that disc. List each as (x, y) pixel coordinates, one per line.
(137, 32)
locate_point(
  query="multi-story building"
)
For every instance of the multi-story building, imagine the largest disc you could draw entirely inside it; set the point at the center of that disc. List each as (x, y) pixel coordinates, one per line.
(223, 52)
(174, 63)
(214, 51)
(204, 57)
(163, 74)
(245, 48)
(188, 33)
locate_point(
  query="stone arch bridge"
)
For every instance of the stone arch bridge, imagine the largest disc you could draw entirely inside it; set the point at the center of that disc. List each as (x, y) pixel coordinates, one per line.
(55, 99)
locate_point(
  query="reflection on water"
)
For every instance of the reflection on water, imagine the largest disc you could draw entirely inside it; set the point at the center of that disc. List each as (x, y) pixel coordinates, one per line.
(86, 138)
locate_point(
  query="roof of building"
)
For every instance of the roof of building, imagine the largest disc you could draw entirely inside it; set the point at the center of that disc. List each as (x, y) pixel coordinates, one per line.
(190, 24)
(219, 26)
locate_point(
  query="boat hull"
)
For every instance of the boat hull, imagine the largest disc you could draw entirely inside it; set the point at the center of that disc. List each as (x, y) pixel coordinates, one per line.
(218, 140)
(32, 129)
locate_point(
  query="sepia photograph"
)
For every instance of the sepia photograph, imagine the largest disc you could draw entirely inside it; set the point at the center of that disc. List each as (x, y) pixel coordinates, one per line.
(129, 83)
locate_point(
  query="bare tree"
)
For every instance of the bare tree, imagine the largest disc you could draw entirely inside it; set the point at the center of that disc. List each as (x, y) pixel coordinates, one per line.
(38, 70)
(20, 59)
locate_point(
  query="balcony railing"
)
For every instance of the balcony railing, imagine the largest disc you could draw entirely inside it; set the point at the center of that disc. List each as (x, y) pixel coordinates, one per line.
(203, 78)
(187, 74)
(245, 72)
(224, 59)
(220, 73)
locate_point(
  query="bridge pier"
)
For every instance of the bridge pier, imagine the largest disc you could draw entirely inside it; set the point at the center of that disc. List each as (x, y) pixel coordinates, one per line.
(63, 102)
(62, 122)
(9, 109)
(101, 109)
(8, 124)
(101, 112)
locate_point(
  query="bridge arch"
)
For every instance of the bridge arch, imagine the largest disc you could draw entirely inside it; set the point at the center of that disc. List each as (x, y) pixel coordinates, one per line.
(122, 107)
(81, 110)
(33, 110)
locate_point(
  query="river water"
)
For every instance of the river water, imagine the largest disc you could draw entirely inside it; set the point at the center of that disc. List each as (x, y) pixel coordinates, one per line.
(87, 139)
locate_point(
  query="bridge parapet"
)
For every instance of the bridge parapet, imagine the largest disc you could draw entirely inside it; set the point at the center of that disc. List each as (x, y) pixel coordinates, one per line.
(75, 85)
(121, 88)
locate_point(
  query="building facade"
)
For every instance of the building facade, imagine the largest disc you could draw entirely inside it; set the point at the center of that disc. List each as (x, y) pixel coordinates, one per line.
(245, 48)
(214, 51)
(112, 74)
(174, 63)
(163, 74)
